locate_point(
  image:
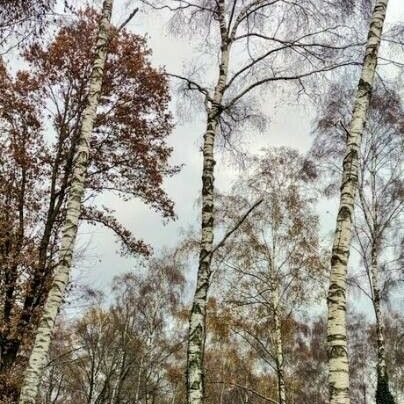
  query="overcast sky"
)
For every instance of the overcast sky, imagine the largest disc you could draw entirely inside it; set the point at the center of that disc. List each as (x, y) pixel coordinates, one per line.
(289, 125)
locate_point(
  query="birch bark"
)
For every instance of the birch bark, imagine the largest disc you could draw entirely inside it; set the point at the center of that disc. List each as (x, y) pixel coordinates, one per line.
(197, 321)
(33, 373)
(336, 325)
(381, 362)
(383, 395)
(279, 358)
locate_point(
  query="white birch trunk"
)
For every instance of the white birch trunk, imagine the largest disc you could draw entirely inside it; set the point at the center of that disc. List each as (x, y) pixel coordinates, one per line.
(197, 333)
(37, 360)
(336, 325)
(383, 394)
(374, 274)
(279, 358)
(197, 321)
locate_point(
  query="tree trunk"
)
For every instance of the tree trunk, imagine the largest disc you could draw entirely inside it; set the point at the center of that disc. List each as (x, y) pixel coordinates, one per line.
(197, 321)
(279, 359)
(336, 326)
(36, 288)
(383, 395)
(196, 333)
(139, 381)
(33, 373)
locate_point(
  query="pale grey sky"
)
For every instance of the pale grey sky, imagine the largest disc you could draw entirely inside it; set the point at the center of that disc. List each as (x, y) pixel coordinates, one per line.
(290, 126)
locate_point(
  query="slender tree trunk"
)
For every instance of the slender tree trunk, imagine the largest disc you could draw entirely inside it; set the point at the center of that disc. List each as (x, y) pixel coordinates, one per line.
(139, 381)
(280, 373)
(197, 321)
(383, 394)
(336, 326)
(223, 388)
(279, 359)
(197, 333)
(33, 373)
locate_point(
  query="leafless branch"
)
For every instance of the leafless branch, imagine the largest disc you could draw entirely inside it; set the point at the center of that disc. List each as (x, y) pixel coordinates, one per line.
(126, 22)
(237, 225)
(195, 85)
(270, 400)
(285, 78)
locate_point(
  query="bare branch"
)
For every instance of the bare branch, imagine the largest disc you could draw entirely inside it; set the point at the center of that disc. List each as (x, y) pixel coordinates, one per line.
(270, 400)
(195, 85)
(126, 22)
(230, 232)
(182, 5)
(285, 78)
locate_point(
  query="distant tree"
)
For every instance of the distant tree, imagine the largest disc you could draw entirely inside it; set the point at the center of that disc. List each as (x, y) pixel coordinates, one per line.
(394, 352)
(135, 347)
(125, 352)
(309, 362)
(362, 358)
(233, 376)
(275, 259)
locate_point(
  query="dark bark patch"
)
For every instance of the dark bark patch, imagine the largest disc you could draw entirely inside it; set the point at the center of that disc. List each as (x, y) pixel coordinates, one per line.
(383, 395)
(345, 213)
(364, 85)
(337, 352)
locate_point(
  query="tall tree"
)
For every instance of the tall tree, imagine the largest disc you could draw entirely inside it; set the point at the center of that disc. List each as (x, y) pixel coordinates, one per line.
(37, 360)
(379, 204)
(336, 324)
(275, 255)
(40, 117)
(258, 36)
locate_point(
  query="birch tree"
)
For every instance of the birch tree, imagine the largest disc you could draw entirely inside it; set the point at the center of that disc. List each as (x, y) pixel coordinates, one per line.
(54, 300)
(336, 332)
(273, 42)
(379, 204)
(41, 109)
(275, 254)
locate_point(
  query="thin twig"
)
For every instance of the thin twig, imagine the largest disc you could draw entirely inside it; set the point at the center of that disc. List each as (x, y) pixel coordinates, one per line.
(345, 129)
(247, 389)
(190, 83)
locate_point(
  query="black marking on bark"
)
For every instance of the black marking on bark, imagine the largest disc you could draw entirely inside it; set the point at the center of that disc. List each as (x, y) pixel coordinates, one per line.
(337, 352)
(364, 85)
(345, 213)
(208, 208)
(336, 337)
(336, 258)
(383, 394)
